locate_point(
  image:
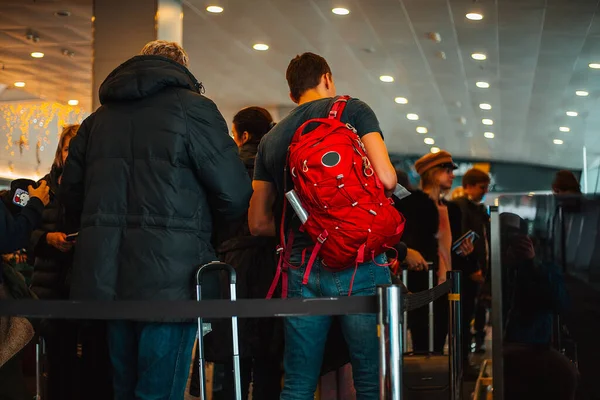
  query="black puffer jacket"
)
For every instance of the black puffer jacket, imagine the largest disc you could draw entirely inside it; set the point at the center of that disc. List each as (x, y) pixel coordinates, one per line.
(51, 265)
(145, 174)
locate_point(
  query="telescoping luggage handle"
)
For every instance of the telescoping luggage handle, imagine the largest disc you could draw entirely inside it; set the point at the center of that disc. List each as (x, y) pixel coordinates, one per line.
(219, 266)
(430, 306)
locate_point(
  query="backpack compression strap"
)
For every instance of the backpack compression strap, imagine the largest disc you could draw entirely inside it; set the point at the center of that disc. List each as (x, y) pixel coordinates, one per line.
(338, 107)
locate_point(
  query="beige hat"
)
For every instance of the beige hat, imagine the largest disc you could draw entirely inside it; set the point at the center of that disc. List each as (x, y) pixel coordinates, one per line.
(433, 160)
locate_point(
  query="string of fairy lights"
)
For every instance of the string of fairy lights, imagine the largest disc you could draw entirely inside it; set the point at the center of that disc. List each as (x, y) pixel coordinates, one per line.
(33, 127)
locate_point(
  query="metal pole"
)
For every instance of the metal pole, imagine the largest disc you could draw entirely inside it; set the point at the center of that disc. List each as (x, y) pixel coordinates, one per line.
(389, 301)
(236, 349)
(405, 316)
(563, 238)
(455, 342)
(497, 321)
(38, 371)
(201, 351)
(431, 320)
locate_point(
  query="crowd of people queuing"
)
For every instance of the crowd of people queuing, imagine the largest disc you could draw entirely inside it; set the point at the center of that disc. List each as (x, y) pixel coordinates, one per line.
(154, 185)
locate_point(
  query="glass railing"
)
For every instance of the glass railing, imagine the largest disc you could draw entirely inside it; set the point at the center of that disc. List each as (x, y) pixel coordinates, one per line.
(545, 293)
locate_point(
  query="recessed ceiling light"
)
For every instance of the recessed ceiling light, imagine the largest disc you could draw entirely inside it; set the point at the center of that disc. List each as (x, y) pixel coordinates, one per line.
(260, 47)
(386, 78)
(482, 85)
(340, 11)
(37, 54)
(73, 102)
(478, 56)
(564, 129)
(20, 84)
(594, 66)
(572, 113)
(422, 129)
(214, 9)
(429, 140)
(401, 100)
(489, 135)
(582, 93)
(435, 150)
(487, 121)
(485, 106)
(558, 141)
(474, 16)
(412, 117)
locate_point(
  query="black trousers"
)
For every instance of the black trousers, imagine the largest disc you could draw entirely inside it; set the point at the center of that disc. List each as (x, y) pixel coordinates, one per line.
(418, 320)
(468, 299)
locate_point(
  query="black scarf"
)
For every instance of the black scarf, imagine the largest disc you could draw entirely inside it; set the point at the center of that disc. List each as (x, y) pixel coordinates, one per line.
(248, 154)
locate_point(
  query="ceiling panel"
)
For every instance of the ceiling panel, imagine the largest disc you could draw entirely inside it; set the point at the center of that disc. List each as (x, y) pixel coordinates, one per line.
(538, 53)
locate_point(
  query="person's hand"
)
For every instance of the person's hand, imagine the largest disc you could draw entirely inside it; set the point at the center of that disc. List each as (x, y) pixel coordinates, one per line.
(59, 241)
(521, 248)
(466, 247)
(477, 277)
(415, 261)
(42, 192)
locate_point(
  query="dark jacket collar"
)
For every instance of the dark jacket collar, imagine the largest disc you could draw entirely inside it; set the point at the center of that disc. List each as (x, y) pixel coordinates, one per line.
(248, 154)
(142, 76)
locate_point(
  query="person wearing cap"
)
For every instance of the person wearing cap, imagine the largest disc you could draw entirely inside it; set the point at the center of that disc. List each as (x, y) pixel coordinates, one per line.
(432, 225)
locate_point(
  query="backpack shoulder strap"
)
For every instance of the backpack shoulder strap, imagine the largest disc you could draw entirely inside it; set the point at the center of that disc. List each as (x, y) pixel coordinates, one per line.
(338, 107)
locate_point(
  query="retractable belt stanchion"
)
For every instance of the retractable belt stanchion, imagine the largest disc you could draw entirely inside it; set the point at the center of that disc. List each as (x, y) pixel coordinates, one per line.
(455, 339)
(405, 316)
(389, 301)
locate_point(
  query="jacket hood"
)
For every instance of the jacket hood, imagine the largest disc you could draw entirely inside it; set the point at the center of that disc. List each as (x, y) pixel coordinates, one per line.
(143, 76)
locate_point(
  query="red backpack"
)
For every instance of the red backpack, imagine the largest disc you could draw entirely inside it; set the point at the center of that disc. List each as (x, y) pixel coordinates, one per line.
(350, 219)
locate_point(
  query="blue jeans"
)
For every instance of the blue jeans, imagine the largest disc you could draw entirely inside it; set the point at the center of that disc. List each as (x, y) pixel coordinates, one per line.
(305, 337)
(151, 361)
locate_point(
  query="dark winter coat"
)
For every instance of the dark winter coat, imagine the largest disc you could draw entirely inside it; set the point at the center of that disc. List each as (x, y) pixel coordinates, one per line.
(422, 225)
(16, 230)
(145, 174)
(50, 265)
(476, 219)
(253, 258)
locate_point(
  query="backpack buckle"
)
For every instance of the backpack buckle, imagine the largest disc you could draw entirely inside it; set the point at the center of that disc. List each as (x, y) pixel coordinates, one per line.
(278, 249)
(322, 237)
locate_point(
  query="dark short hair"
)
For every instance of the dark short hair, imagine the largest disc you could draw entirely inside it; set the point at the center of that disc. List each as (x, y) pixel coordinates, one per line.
(257, 121)
(474, 177)
(304, 72)
(565, 181)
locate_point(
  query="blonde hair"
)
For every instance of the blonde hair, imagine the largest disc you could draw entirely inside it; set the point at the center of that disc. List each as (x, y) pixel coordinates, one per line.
(428, 178)
(170, 50)
(68, 132)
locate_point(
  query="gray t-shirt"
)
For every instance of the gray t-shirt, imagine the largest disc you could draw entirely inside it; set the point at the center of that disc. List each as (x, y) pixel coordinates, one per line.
(272, 151)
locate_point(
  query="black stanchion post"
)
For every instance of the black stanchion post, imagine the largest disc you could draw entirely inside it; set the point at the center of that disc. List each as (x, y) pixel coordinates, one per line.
(455, 342)
(497, 320)
(389, 320)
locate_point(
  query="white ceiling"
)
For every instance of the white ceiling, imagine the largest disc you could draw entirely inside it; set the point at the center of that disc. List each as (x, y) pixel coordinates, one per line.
(55, 77)
(538, 55)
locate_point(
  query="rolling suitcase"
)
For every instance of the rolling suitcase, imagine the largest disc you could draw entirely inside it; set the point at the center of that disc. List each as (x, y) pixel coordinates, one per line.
(205, 328)
(426, 376)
